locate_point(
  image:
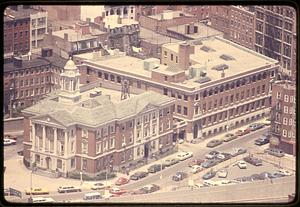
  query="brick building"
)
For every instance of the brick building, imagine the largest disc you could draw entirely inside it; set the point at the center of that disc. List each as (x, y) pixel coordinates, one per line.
(275, 32)
(81, 39)
(160, 22)
(200, 12)
(27, 79)
(284, 117)
(123, 34)
(236, 22)
(16, 33)
(86, 130)
(226, 82)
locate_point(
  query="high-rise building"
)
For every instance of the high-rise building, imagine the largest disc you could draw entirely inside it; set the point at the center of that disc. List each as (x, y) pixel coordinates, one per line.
(275, 35)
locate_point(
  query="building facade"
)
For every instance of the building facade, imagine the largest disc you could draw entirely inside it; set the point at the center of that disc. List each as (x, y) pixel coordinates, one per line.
(283, 120)
(86, 132)
(237, 95)
(77, 40)
(275, 35)
(124, 11)
(27, 79)
(16, 33)
(38, 28)
(236, 22)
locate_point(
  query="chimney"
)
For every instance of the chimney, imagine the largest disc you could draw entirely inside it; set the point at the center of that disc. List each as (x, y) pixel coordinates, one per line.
(223, 74)
(82, 27)
(17, 62)
(65, 36)
(184, 52)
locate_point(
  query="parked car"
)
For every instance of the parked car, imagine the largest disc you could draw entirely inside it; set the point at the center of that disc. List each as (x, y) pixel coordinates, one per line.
(223, 156)
(7, 142)
(275, 152)
(147, 189)
(117, 191)
(138, 175)
(265, 174)
(254, 161)
(238, 151)
(210, 163)
(68, 189)
(180, 141)
(244, 179)
(255, 177)
(196, 169)
(212, 154)
(155, 168)
(222, 173)
(228, 137)
(214, 143)
(122, 181)
(9, 136)
(209, 175)
(170, 161)
(179, 176)
(98, 186)
(261, 141)
(195, 162)
(284, 172)
(36, 191)
(184, 155)
(266, 121)
(242, 131)
(256, 126)
(242, 164)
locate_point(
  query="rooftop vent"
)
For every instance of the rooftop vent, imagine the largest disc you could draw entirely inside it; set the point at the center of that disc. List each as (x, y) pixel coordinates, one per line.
(203, 79)
(207, 49)
(220, 67)
(95, 93)
(227, 57)
(151, 63)
(197, 70)
(196, 42)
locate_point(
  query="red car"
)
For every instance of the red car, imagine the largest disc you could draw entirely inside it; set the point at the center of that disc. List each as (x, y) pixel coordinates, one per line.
(117, 191)
(122, 181)
(243, 131)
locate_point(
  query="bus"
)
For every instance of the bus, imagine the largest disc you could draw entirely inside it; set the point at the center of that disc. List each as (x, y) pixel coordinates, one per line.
(42, 200)
(92, 196)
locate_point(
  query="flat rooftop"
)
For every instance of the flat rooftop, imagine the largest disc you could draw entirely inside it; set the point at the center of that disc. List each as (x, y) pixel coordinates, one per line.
(174, 14)
(243, 60)
(74, 36)
(155, 38)
(203, 31)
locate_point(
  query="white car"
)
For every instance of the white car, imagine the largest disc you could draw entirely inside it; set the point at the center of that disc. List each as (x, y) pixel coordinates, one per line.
(196, 168)
(8, 142)
(284, 172)
(222, 173)
(242, 164)
(184, 155)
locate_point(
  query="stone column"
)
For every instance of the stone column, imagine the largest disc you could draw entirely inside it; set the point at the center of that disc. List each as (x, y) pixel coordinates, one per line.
(55, 141)
(44, 138)
(33, 136)
(66, 143)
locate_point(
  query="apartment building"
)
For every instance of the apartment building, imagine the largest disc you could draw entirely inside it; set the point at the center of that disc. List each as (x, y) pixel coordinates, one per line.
(217, 84)
(84, 128)
(16, 30)
(82, 38)
(27, 79)
(275, 33)
(160, 22)
(283, 121)
(38, 28)
(236, 22)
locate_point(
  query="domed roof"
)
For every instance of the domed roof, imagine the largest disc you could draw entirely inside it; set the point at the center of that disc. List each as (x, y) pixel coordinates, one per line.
(70, 65)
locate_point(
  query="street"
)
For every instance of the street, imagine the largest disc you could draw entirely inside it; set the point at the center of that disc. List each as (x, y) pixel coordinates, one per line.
(199, 150)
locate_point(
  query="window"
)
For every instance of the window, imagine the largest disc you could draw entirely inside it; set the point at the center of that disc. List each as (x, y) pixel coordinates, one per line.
(165, 54)
(161, 128)
(112, 143)
(178, 109)
(286, 109)
(253, 92)
(98, 147)
(284, 132)
(185, 111)
(146, 118)
(84, 147)
(84, 133)
(278, 95)
(291, 99)
(178, 96)
(286, 98)
(285, 121)
(160, 113)
(165, 91)
(99, 74)
(258, 89)
(290, 121)
(185, 97)
(112, 129)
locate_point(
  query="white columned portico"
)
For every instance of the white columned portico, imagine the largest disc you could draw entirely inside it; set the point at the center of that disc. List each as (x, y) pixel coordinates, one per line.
(33, 136)
(55, 141)
(66, 143)
(44, 138)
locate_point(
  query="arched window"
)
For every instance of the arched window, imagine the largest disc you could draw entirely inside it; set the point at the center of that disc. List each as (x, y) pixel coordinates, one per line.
(227, 86)
(232, 85)
(221, 88)
(216, 90)
(125, 11)
(243, 81)
(259, 77)
(118, 12)
(210, 92)
(238, 83)
(264, 76)
(204, 94)
(111, 12)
